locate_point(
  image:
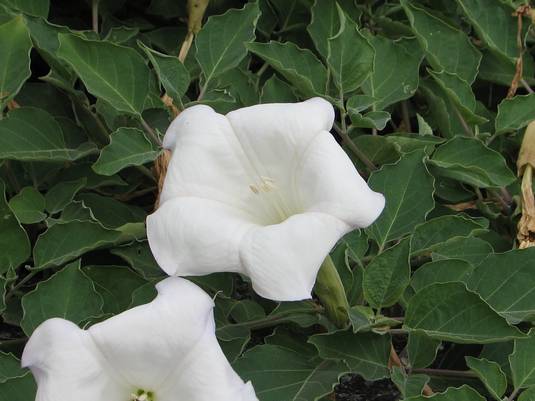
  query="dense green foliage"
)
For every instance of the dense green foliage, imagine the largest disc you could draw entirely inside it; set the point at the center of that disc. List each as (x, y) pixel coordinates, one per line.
(420, 91)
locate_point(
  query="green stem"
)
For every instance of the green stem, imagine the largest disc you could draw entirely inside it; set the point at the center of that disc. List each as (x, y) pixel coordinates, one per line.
(331, 293)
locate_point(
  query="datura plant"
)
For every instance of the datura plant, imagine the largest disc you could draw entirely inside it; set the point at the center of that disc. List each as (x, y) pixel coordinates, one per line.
(282, 200)
(165, 350)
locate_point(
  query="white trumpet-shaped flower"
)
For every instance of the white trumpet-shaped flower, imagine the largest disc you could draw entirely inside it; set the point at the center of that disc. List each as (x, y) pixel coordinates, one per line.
(265, 191)
(162, 351)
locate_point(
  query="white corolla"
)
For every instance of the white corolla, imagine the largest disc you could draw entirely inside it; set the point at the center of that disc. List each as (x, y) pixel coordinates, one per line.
(265, 191)
(162, 351)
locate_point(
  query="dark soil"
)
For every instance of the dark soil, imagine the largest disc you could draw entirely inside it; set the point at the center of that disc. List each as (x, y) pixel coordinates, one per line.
(355, 388)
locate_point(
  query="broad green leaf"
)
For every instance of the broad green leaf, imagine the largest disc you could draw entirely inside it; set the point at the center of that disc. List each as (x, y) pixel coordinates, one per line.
(9, 367)
(15, 46)
(441, 271)
(515, 113)
(423, 127)
(501, 70)
(372, 119)
(14, 241)
(64, 242)
(421, 349)
(428, 235)
(68, 294)
(275, 90)
(447, 48)
(365, 353)
(463, 393)
(460, 93)
(471, 249)
(494, 25)
(408, 189)
(173, 76)
(387, 276)
(469, 160)
(280, 374)
(527, 395)
(110, 212)
(490, 374)
(61, 194)
(350, 56)
(18, 389)
(115, 284)
(499, 353)
(448, 311)
(386, 84)
(38, 8)
(31, 134)
(522, 362)
(506, 281)
(299, 66)
(28, 206)
(127, 147)
(324, 24)
(115, 73)
(139, 257)
(221, 42)
(409, 385)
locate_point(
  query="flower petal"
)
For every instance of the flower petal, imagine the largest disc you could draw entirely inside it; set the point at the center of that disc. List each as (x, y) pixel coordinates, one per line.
(210, 376)
(150, 342)
(283, 259)
(274, 136)
(67, 366)
(192, 236)
(208, 161)
(328, 182)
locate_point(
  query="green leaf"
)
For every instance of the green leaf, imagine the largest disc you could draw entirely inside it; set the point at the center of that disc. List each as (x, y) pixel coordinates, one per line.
(127, 147)
(447, 48)
(115, 73)
(469, 160)
(13, 239)
(18, 389)
(64, 242)
(61, 194)
(471, 249)
(460, 93)
(448, 311)
(28, 206)
(387, 85)
(490, 374)
(68, 294)
(409, 385)
(365, 353)
(9, 367)
(15, 46)
(515, 113)
(115, 284)
(408, 189)
(421, 349)
(110, 212)
(441, 271)
(372, 119)
(139, 257)
(387, 276)
(221, 42)
(494, 25)
(506, 281)
(172, 74)
(527, 395)
(522, 362)
(34, 135)
(428, 235)
(299, 66)
(350, 55)
(324, 24)
(280, 374)
(276, 90)
(37, 8)
(463, 393)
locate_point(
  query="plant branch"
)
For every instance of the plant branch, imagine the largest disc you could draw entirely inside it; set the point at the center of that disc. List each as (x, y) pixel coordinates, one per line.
(526, 86)
(513, 394)
(152, 134)
(354, 148)
(446, 373)
(94, 15)
(396, 361)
